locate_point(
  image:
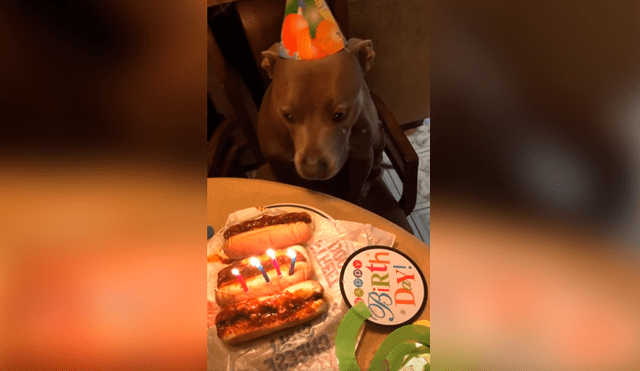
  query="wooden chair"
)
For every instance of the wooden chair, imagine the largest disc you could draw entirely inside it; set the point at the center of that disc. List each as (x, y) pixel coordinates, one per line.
(261, 21)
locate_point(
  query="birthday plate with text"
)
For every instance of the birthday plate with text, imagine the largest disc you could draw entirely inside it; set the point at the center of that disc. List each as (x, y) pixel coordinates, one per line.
(387, 281)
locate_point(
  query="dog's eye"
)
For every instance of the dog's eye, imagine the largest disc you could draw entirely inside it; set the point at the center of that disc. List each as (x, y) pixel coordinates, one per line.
(287, 117)
(338, 116)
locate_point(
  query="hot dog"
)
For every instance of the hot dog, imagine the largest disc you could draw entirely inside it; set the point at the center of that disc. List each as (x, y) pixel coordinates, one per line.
(231, 291)
(253, 237)
(254, 318)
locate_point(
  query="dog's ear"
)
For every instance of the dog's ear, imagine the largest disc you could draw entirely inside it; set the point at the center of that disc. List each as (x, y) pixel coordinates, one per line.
(269, 58)
(363, 50)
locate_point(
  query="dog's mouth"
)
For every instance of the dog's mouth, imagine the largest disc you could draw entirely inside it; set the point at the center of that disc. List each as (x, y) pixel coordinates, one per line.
(315, 175)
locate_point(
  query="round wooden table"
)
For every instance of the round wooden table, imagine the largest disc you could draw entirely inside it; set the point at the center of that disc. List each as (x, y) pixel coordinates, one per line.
(227, 195)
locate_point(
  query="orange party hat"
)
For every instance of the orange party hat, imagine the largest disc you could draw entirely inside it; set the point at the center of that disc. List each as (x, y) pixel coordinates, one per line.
(309, 31)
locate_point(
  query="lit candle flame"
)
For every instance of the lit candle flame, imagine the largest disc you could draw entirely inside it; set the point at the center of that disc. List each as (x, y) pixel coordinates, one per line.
(240, 279)
(256, 263)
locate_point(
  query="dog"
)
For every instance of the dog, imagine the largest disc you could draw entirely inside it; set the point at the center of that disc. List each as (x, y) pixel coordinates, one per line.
(317, 125)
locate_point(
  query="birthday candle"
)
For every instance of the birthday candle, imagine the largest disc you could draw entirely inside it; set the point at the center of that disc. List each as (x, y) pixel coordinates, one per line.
(272, 255)
(292, 255)
(256, 263)
(240, 279)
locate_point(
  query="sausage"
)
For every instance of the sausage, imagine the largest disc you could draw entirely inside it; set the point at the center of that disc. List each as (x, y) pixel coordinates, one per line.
(254, 237)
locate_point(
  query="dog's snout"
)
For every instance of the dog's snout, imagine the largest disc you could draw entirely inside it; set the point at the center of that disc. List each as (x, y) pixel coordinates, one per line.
(317, 167)
(319, 155)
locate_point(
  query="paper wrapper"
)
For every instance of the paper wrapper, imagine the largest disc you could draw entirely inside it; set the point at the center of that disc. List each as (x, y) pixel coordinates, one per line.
(310, 346)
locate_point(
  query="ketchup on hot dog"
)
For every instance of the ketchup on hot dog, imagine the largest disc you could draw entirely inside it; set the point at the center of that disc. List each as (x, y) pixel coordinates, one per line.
(265, 221)
(252, 314)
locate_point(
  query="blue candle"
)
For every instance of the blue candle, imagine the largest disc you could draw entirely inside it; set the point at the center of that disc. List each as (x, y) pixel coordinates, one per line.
(292, 255)
(256, 263)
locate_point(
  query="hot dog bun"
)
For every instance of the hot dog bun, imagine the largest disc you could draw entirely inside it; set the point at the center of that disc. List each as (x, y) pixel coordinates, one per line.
(229, 293)
(254, 318)
(257, 241)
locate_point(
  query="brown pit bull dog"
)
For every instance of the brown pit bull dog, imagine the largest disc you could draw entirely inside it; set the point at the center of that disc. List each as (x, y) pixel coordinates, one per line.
(317, 125)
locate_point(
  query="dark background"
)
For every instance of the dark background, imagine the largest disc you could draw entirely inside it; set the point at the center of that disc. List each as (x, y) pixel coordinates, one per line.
(537, 106)
(534, 244)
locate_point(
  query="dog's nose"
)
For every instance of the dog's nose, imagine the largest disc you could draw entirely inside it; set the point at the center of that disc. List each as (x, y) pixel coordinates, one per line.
(315, 166)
